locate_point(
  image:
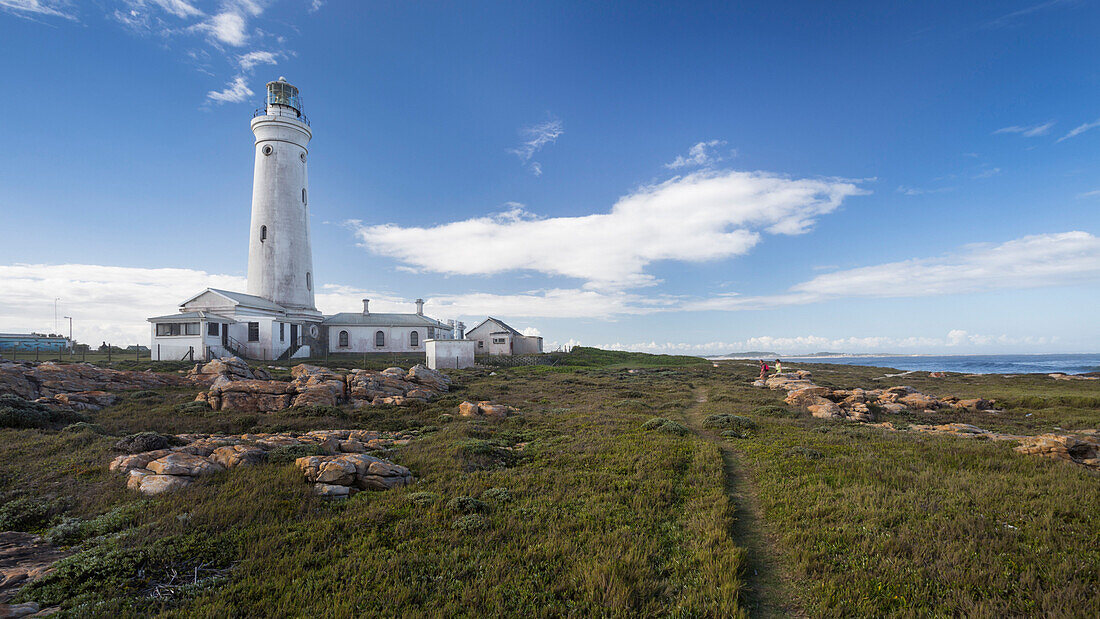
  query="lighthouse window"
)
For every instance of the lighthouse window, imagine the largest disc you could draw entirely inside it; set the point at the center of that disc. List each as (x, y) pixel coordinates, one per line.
(303, 156)
(303, 195)
(263, 233)
(267, 150)
(309, 281)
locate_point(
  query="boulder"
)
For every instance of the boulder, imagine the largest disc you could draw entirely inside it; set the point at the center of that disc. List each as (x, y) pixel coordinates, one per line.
(231, 456)
(433, 379)
(919, 401)
(184, 464)
(806, 396)
(158, 484)
(123, 464)
(331, 491)
(141, 442)
(494, 410)
(826, 409)
(977, 404)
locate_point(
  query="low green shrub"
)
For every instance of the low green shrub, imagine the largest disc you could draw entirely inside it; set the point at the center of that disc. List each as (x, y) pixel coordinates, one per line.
(445, 418)
(193, 408)
(141, 442)
(479, 454)
(467, 505)
(29, 513)
(470, 522)
(775, 410)
(74, 530)
(500, 495)
(84, 426)
(145, 394)
(15, 412)
(661, 424)
(727, 421)
(285, 454)
(423, 499)
(803, 452)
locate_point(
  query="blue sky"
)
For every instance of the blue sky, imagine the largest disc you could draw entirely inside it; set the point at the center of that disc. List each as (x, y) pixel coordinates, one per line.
(882, 177)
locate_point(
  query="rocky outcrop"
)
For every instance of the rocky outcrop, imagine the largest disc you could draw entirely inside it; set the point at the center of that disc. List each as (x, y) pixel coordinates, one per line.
(166, 470)
(311, 385)
(76, 386)
(23, 558)
(1084, 450)
(343, 475)
(485, 409)
(859, 404)
(233, 368)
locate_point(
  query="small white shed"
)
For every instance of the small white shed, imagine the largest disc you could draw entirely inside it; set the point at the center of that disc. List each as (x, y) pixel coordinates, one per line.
(449, 354)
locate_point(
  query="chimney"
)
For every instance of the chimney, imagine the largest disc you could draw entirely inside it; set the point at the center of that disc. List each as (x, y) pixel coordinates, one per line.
(420, 307)
(365, 303)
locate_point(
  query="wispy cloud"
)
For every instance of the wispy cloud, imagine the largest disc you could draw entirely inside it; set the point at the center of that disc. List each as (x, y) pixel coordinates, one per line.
(702, 216)
(252, 59)
(1028, 131)
(316, 5)
(1009, 19)
(235, 92)
(1078, 130)
(986, 173)
(535, 138)
(39, 8)
(919, 191)
(1089, 194)
(700, 155)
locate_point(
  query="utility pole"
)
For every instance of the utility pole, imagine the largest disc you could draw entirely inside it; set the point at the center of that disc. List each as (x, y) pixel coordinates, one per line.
(56, 328)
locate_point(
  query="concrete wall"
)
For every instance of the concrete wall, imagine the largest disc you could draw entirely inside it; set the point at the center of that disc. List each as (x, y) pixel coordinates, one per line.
(454, 354)
(526, 345)
(361, 339)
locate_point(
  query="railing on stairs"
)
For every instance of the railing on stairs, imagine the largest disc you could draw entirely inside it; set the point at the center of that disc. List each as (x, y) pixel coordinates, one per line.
(289, 352)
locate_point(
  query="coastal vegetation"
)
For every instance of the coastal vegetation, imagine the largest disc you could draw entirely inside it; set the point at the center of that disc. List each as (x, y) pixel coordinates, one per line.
(627, 484)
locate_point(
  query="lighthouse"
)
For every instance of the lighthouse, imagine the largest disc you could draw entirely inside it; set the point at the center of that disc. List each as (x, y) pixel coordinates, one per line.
(280, 259)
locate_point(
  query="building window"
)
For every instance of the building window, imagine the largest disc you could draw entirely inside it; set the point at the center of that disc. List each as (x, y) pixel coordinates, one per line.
(309, 280)
(481, 343)
(414, 339)
(166, 329)
(379, 339)
(263, 233)
(498, 340)
(343, 339)
(253, 332)
(190, 328)
(211, 328)
(282, 331)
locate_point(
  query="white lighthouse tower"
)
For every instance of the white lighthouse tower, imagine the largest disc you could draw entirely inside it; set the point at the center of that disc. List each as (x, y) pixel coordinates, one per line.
(280, 260)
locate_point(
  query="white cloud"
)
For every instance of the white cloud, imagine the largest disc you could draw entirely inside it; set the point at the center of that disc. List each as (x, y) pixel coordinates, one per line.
(703, 216)
(1009, 18)
(699, 155)
(1028, 131)
(179, 8)
(316, 5)
(39, 8)
(1089, 194)
(537, 136)
(226, 27)
(1078, 130)
(250, 60)
(918, 191)
(987, 173)
(1063, 259)
(531, 332)
(235, 91)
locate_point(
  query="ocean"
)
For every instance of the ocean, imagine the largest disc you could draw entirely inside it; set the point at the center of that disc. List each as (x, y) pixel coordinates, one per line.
(970, 364)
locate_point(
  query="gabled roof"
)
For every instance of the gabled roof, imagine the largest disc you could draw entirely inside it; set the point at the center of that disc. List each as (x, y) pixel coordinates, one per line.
(373, 319)
(240, 298)
(189, 316)
(499, 322)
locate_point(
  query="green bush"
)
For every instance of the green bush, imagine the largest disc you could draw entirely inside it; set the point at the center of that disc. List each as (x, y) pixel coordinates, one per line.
(470, 522)
(445, 418)
(15, 412)
(423, 499)
(803, 452)
(285, 454)
(74, 530)
(145, 394)
(661, 424)
(467, 505)
(28, 513)
(726, 421)
(775, 410)
(142, 442)
(193, 408)
(500, 495)
(479, 454)
(84, 426)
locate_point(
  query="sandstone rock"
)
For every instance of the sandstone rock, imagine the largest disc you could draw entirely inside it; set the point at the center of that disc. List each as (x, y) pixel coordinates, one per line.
(977, 404)
(25, 609)
(133, 482)
(232, 456)
(183, 464)
(468, 409)
(157, 484)
(494, 410)
(394, 371)
(24, 558)
(919, 401)
(331, 491)
(435, 380)
(825, 409)
(806, 396)
(126, 463)
(271, 387)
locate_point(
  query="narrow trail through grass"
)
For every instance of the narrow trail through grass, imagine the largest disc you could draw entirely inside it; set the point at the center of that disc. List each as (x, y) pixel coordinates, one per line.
(768, 593)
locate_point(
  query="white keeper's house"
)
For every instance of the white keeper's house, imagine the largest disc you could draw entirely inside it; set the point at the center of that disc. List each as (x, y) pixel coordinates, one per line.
(277, 318)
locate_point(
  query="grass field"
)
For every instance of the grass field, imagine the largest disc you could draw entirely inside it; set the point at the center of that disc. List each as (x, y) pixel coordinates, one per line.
(583, 506)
